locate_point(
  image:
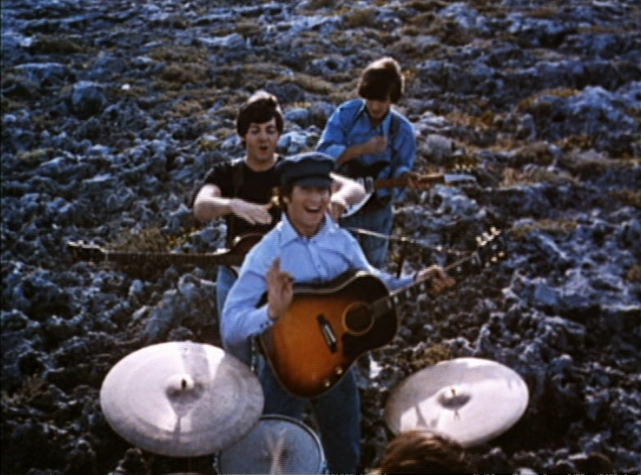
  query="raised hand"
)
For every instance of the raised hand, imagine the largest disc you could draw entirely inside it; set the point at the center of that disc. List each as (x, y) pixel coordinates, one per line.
(280, 290)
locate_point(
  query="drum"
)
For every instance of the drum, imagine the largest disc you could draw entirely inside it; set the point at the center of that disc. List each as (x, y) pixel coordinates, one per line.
(277, 444)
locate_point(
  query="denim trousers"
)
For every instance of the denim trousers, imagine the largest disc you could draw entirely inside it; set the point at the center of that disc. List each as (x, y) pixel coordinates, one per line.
(224, 280)
(337, 414)
(379, 219)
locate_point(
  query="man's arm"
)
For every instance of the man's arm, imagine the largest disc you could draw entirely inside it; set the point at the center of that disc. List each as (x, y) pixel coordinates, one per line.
(210, 205)
(345, 192)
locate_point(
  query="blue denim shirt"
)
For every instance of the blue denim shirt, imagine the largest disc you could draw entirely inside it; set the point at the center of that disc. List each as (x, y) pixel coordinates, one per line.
(350, 125)
(310, 260)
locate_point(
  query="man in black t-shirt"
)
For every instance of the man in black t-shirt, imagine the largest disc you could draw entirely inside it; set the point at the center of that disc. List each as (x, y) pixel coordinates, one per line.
(241, 191)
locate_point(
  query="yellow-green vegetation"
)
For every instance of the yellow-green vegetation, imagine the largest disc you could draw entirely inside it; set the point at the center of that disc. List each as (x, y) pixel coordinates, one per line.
(425, 356)
(314, 4)
(313, 84)
(32, 387)
(562, 226)
(58, 44)
(634, 273)
(177, 75)
(180, 54)
(360, 18)
(36, 156)
(147, 240)
(534, 174)
(562, 92)
(576, 142)
(628, 197)
(482, 122)
(426, 6)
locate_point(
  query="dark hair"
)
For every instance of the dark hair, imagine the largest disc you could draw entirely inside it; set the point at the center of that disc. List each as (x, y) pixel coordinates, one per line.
(261, 107)
(382, 79)
(424, 452)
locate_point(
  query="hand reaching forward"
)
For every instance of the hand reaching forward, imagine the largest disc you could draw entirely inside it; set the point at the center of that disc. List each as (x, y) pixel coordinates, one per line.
(280, 290)
(250, 212)
(437, 279)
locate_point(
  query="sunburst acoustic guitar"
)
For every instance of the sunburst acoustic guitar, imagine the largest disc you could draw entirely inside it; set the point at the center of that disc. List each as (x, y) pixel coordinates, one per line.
(327, 327)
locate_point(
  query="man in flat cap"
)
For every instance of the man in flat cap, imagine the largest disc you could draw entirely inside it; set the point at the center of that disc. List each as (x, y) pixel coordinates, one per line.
(308, 247)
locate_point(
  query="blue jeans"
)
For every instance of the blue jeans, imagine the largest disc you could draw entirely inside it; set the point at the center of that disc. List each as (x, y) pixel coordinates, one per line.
(379, 220)
(225, 279)
(337, 413)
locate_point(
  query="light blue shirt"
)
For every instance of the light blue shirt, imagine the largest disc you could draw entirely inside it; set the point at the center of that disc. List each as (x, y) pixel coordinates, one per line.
(350, 125)
(318, 259)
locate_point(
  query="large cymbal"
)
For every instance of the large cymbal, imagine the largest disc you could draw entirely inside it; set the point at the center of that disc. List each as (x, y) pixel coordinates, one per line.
(471, 400)
(181, 399)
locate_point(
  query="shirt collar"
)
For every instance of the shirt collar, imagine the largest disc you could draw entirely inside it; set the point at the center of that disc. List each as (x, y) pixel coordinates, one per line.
(289, 233)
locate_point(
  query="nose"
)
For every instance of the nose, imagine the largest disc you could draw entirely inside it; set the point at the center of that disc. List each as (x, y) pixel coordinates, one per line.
(317, 195)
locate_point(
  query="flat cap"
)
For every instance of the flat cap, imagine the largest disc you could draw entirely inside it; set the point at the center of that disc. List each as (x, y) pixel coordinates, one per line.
(307, 169)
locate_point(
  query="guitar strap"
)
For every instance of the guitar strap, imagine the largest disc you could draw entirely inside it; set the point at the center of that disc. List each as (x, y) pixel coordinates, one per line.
(237, 179)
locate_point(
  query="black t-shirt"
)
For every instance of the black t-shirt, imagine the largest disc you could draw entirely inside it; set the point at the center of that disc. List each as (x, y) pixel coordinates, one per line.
(255, 187)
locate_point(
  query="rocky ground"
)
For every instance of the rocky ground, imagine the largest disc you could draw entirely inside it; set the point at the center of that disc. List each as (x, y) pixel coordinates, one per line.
(113, 111)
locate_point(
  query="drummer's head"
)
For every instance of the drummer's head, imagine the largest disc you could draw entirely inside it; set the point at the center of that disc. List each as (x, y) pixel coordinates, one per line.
(424, 452)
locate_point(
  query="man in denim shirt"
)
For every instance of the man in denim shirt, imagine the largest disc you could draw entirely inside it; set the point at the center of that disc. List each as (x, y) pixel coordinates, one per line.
(306, 246)
(365, 131)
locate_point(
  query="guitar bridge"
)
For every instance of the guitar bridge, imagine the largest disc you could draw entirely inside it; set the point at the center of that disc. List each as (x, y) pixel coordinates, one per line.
(328, 333)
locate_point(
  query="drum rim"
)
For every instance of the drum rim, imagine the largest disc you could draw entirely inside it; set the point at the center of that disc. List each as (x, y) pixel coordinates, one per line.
(290, 419)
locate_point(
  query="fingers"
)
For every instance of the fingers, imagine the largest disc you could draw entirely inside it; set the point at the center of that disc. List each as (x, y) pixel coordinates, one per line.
(337, 208)
(437, 279)
(252, 213)
(280, 288)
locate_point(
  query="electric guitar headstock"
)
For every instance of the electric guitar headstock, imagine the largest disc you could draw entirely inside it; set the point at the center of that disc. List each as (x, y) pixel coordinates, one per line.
(82, 251)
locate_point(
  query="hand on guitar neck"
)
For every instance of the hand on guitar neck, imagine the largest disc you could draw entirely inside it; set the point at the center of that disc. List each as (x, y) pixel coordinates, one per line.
(437, 279)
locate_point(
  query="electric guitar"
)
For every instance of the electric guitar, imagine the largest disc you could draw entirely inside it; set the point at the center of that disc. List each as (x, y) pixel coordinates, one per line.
(327, 327)
(364, 174)
(233, 256)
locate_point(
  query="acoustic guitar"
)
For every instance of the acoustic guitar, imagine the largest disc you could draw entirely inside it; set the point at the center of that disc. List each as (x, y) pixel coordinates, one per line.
(327, 327)
(232, 257)
(365, 175)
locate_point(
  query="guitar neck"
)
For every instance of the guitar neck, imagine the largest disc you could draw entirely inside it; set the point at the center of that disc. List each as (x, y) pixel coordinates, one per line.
(426, 180)
(489, 252)
(160, 258)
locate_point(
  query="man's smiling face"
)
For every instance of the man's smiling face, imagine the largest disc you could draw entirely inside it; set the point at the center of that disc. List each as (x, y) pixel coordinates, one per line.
(306, 208)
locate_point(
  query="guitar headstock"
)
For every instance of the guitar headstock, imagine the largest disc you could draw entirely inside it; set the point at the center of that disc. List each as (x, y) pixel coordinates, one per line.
(490, 250)
(491, 247)
(82, 251)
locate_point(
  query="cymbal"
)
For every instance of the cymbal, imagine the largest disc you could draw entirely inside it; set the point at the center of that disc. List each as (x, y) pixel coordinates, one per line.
(471, 400)
(181, 399)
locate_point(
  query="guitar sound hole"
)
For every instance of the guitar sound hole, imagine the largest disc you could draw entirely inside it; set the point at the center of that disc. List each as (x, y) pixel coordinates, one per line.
(358, 318)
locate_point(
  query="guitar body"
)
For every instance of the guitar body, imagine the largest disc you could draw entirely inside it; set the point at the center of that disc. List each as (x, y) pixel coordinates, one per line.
(325, 330)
